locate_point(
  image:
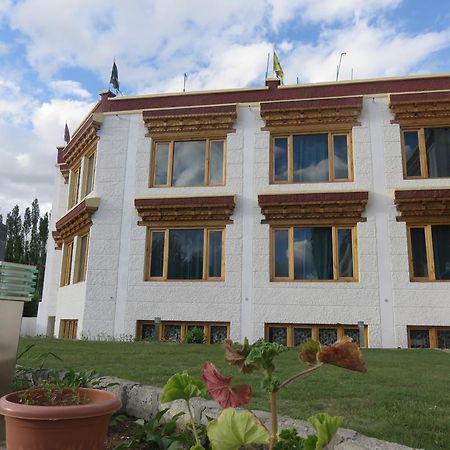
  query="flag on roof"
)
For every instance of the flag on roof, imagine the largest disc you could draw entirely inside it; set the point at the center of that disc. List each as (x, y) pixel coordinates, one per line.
(66, 134)
(114, 81)
(277, 66)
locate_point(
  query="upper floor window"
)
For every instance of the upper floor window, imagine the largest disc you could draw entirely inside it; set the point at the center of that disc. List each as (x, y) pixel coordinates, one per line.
(74, 187)
(426, 152)
(185, 254)
(66, 267)
(311, 158)
(429, 252)
(81, 181)
(313, 253)
(74, 260)
(188, 163)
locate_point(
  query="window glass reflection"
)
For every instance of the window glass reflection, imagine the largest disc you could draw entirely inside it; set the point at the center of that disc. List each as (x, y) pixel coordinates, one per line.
(189, 163)
(438, 151)
(281, 253)
(281, 159)
(216, 162)
(185, 254)
(419, 252)
(441, 248)
(340, 157)
(310, 154)
(345, 252)
(412, 153)
(215, 254)
(157, 256)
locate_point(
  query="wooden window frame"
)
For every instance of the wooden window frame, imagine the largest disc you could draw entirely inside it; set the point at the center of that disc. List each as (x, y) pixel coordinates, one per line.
(207, 177)
(68, 328)
(432, 333)
(206, 233)
(290, 150)
(184, 328)
(429, 250)
(66, 264)
(84, 185)
(78, 276)
(74, 187)
(314, 330)
(424, 173)
(335, 255)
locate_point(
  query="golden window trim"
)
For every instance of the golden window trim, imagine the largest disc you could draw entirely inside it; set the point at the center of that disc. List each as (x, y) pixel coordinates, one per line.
(75, 221)
(423, 206)
(83, 141)
(85, 163)
(314, 330)
(331, 176)
(429, 249)
(432, 333)
(184, 325)
(311, 115)
(190, 122)
(171, 143)
(335, 256)
(67, 264)
(206, 237)
(80, 276)
(424, 170)
(205, 210)
(331, 208)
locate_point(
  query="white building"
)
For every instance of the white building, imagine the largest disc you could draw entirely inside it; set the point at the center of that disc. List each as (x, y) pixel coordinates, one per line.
(280, 212)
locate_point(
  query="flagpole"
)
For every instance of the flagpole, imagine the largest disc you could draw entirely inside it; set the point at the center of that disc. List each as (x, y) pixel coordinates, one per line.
(267, 67)
(184, 82)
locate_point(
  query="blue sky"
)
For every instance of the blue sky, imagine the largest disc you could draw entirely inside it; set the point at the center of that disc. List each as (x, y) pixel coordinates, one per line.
(56, 56)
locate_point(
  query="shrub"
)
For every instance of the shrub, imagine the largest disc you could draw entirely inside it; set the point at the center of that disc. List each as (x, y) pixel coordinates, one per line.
(195, 336)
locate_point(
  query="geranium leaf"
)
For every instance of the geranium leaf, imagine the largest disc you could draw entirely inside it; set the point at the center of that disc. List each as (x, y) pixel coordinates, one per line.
(182, 386)
(309, 353)
(343, 353)
(236, 354)
(233, 429)
(220, 390)
(263, 353)
(326, 427)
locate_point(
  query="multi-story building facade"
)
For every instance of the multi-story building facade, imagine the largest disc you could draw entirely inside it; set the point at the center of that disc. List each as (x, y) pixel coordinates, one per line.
(280, 212)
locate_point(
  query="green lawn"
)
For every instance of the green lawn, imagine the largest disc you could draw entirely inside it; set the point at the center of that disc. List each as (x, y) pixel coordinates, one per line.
(404, 397)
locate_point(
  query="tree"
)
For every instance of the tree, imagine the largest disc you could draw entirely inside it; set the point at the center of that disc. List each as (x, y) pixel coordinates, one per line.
(26, 227)
(14, 236)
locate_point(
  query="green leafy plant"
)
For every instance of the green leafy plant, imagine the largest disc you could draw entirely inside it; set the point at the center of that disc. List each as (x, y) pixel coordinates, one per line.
(195, 336)
(158, 433)
(51, 395)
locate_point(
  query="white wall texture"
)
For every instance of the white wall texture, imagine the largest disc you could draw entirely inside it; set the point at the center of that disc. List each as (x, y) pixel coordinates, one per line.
(115, 296)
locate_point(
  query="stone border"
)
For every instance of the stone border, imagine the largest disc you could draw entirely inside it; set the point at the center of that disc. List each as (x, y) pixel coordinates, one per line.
(143, 401)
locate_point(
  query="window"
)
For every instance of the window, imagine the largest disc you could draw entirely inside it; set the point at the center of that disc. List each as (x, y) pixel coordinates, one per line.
(185, 254)
(81, 258)
(313, 254)
(295, 335)
(428, 337)
(88, 174)
(214, 333)
(66, 268)
(74, 187)
(68, 328)
(311, 158)
(426, 153)
(189, 163)
(429, 252)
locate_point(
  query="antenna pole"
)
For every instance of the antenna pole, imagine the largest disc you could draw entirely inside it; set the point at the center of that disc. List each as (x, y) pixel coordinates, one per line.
(339, 65)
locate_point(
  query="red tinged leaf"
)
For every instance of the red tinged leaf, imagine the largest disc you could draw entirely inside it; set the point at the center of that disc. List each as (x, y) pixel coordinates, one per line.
(236, 354)
(220, 390)
(344, 353)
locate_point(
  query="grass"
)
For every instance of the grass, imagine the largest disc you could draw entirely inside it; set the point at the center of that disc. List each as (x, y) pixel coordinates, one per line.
(404, 397)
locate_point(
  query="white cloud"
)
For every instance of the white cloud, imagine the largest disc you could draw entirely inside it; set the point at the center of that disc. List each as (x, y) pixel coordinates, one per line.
(64, 88)
(23, 160)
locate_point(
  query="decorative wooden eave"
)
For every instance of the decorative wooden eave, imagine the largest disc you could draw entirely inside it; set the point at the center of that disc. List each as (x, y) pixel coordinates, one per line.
(83, 140)
(190, 122)
(63, 167)
(76, 220)
(423, 206)
(312, 115)
(421, 109)
(330, 208)
(185, 211)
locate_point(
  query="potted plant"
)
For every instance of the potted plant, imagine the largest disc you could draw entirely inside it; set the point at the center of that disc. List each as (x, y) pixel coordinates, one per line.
(55, 417)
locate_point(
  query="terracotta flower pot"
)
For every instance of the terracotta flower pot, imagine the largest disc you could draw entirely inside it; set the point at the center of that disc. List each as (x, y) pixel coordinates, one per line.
(78, 427)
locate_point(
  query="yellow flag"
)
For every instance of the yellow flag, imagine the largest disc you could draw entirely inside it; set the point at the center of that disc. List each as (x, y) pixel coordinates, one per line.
(277, 66)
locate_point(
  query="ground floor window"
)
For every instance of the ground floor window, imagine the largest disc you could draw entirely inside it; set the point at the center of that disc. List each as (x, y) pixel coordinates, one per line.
(68, 328)
(428, 337)
(185, 254)
(294, 335)
(173, 331)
